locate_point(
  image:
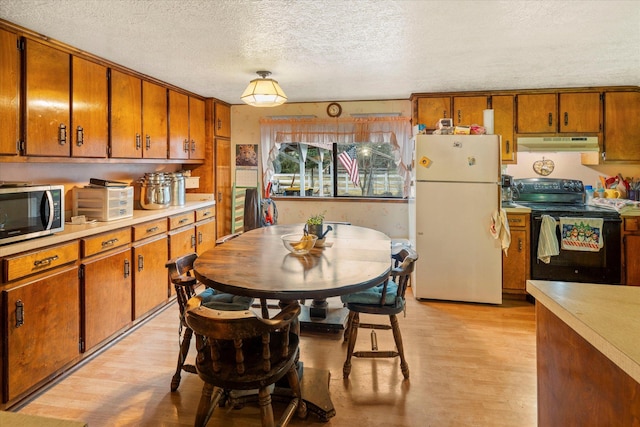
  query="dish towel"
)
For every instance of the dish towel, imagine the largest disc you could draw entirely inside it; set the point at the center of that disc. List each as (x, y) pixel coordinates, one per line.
(500, 229)
(547, 241)
(581, 234)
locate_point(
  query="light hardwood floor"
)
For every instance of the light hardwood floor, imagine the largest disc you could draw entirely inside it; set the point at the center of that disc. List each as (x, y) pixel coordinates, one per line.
(471, 365)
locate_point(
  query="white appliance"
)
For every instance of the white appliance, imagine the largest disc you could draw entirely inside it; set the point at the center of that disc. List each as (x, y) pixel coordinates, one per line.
(457, 191)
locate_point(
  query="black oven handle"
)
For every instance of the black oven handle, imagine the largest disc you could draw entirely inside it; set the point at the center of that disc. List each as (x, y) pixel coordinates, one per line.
(539, 218)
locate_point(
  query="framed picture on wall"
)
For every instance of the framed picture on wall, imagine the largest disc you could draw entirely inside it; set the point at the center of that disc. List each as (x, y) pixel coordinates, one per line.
(247, 155)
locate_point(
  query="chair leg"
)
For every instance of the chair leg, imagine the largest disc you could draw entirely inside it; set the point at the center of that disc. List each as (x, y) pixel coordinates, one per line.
(354, 323)
(346, 328)
(294, 383)
(182, 356)
(266, 410)
(209, 399)
(397, 336)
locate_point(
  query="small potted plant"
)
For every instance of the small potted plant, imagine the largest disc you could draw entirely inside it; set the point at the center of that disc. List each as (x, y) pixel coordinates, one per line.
(314, 224)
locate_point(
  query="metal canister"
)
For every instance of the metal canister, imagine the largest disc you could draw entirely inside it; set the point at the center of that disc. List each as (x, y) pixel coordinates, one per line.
(178, 189)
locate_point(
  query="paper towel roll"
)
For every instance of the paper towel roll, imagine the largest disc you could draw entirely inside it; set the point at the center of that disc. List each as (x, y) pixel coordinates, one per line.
(488, 121)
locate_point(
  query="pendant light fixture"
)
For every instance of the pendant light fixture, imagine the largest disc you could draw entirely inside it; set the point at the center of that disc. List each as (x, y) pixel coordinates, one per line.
(264, 92)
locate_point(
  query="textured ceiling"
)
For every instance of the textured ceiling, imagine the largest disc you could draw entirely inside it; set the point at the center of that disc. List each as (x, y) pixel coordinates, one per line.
(351, 50)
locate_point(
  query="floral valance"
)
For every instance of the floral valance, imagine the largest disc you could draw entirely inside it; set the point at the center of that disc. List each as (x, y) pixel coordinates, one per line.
(323, 133)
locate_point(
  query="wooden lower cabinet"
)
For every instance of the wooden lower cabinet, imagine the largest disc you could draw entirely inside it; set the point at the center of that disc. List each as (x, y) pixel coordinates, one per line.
(42, 329)
(106, 296)
(205, 235)
(150, 278)
(515, 265)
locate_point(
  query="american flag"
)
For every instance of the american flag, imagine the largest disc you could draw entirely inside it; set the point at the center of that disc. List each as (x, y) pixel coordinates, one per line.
(349, 160)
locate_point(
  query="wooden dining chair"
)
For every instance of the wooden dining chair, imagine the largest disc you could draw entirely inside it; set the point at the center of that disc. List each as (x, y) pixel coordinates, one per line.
(238, 350)
(387, 299)
(180, 273)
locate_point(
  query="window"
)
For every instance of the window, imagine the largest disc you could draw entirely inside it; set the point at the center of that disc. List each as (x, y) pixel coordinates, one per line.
(358, 170)
(349, 158)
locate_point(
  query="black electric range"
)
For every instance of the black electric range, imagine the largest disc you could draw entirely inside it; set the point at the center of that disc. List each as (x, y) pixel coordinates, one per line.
(560, 198)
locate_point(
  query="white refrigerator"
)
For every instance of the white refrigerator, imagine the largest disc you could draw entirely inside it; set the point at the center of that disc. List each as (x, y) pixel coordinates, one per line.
(456, 195)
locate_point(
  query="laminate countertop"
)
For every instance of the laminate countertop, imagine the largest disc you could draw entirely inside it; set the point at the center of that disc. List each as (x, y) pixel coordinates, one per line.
(606, 316)
(516, 209)
(78, 231)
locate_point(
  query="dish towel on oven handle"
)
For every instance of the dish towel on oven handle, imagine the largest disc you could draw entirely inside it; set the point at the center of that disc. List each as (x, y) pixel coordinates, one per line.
(581, 234)
(547, 241)
(500, 229)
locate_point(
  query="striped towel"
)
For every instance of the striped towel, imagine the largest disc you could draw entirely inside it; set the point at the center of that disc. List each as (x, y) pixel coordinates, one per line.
(547, 242)
(581, 234)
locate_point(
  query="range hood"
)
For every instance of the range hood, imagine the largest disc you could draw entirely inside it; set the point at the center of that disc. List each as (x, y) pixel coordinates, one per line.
(559, 143)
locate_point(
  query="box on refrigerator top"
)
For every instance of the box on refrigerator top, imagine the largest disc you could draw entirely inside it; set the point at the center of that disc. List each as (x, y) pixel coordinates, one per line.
(103, 203)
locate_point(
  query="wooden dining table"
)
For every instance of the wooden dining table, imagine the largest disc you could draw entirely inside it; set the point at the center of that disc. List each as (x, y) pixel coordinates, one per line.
(256, 264)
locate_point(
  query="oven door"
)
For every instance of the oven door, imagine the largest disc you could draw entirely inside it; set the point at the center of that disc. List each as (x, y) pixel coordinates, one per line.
(579, 266)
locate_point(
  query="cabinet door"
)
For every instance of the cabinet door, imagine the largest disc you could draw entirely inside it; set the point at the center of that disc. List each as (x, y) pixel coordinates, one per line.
(223, 186)
(514, 266)
(537, 113)
(150, 280)
(222, 120)
(48, 336)
(468, 110)
(631, 251)
(622, 126)
(106, 305)
(89, 109)
(205, 235)
(126, 118)
(430, 110)
(580, 112)
(48, 80)
(197, 128)
(154, 120)
(182, 241)
(503, 125)
(178, 125)
(9, 93)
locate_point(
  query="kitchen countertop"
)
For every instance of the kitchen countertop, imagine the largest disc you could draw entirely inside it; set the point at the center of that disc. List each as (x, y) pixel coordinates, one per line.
(73, 231)
(517, 209)
(606, 316)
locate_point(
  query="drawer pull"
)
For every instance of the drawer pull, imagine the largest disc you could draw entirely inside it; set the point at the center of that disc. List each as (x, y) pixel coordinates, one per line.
(152, 229)
(185, 146)
(109, 242)
(183, 220)
(44, 262)
(193, 146)
(140, 263)
(79, 136)
(206, 213)
(193, 241)
(127, 268)
(62, 134)
(138, 141)
(200, 237)
(19, 313)
(148, 142)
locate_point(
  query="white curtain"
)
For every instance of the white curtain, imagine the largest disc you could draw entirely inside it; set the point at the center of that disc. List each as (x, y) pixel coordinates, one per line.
(323, 133)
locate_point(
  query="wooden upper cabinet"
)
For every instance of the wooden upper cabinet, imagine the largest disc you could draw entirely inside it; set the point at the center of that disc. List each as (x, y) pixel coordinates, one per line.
(432, 109)
(154, 120)
(9, 93)
(537, 113)
(178, 125)
(468, 110)
(89, 109)
(580, 112)
(503, 116)
(126, 118)
(47, 97)
(222, 121)
(622, 126)
(197, 128)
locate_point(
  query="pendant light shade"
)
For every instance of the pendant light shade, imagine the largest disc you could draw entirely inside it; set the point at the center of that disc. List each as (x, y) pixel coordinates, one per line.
(264, 92)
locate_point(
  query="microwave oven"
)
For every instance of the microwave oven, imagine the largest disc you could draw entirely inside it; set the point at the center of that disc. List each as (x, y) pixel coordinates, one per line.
(28, 211)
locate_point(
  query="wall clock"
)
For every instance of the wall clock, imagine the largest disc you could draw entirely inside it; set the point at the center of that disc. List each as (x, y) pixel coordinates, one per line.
(334, 109)
(543, 167)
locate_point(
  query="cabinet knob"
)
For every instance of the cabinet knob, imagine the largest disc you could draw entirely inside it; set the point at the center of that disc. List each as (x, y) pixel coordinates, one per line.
(62, 134)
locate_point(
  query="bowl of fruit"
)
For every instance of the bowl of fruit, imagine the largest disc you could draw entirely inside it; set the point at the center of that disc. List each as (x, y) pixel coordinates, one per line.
(299, 244)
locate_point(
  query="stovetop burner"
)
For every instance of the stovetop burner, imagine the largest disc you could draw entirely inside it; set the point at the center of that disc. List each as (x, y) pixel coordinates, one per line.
(557, 197)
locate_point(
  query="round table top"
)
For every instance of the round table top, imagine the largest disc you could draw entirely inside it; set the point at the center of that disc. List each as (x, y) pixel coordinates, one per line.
(257, 264)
